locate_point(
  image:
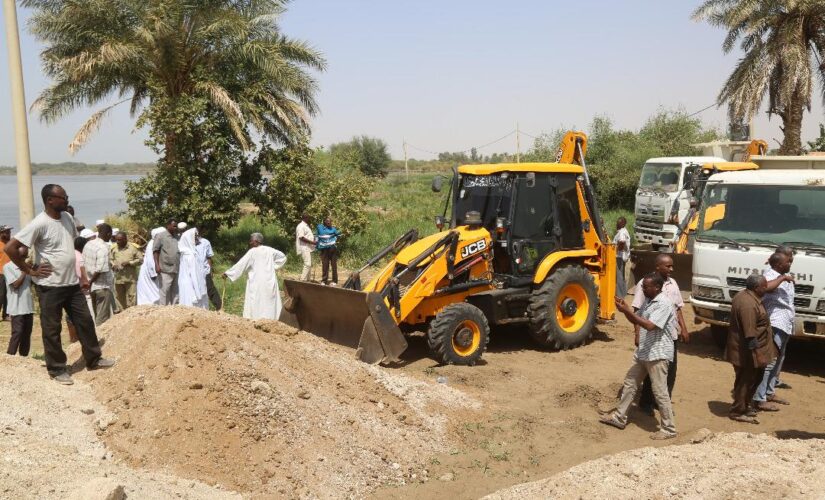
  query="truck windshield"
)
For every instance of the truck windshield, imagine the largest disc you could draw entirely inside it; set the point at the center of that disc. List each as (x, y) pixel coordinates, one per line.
(485, 194)
(767, 215)
(661, 176)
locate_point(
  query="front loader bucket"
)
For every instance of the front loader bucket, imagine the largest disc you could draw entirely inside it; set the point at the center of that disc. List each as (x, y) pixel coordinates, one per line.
(351, 318)
(644, 262)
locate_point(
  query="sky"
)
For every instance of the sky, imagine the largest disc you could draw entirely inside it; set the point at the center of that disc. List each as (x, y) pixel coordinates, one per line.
(447, 75)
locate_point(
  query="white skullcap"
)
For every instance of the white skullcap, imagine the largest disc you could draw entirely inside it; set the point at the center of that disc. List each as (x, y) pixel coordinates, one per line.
(87, 233)
(182, 225)
(99, 222)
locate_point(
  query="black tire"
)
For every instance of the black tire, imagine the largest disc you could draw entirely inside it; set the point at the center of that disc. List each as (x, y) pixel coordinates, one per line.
(720, 336)
(549, 311)
(458, 335)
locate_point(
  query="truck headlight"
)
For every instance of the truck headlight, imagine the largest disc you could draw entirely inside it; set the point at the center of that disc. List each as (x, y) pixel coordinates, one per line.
(708, 292)
(820, 307)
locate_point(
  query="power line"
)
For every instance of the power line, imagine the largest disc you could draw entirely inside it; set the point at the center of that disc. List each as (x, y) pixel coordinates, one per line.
(424, 150)
(703, 110)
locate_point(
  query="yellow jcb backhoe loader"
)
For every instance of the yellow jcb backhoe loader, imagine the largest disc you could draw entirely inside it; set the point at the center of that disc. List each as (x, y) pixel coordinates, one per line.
(524, 245)
(644, 261)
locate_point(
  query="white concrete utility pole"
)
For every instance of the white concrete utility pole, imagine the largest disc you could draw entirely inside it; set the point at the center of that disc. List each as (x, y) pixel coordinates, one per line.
(406, 168)
(18, 110)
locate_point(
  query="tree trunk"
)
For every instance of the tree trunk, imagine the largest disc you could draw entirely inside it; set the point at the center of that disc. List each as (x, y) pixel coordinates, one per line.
(792, 126)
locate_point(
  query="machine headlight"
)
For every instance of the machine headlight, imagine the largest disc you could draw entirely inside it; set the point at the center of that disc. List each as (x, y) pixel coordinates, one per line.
(708, 292)
(820, 307)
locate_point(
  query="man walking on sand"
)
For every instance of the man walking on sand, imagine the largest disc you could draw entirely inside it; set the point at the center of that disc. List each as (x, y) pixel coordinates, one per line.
(126, 260)
(664, 268)
(750, 346)
(657, 321)
(167, 262)
(5, 236)
(304, 245)
(778, 302)
(263, 298)
(51, 235)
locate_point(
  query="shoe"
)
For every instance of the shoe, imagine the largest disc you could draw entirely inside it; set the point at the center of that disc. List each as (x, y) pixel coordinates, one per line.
(783, 385)
(64, 378)
(103, 363)
(333, 284)
(612, 421)
(773, 398)
(765, 406)
(743, 418)
(662, 435)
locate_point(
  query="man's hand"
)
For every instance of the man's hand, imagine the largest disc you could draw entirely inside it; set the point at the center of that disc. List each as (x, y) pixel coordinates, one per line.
(41, 271)
(684, 335)
(157, 269)
(789, 278)
(622, 306)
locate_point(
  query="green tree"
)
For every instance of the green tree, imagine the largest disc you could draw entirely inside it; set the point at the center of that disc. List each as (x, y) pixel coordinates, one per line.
(818, 144)
(781, 40)
(298, 184)
(367, 154)
(674, 132)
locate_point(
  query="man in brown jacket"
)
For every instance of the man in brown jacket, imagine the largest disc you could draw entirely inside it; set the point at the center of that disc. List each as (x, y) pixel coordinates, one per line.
(750, 346)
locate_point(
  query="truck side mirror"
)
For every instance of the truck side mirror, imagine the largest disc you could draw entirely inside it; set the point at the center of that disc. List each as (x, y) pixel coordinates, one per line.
(437, 182)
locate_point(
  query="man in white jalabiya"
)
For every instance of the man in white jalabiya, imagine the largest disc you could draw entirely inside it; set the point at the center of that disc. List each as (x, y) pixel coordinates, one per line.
(148, 290)
(191, 280)
(263, 300)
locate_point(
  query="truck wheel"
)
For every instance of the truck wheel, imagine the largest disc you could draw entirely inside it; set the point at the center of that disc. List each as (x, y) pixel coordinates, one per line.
(720, 336)
(458, 335)
(563, 310)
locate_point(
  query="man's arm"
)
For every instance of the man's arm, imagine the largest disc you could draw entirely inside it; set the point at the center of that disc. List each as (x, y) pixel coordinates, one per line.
(13, 251)
(774, 283)
(156, 254)
(684, 334)
(634, 318)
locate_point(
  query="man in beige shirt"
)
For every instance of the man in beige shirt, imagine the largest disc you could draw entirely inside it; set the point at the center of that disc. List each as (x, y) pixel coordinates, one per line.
(125, 261)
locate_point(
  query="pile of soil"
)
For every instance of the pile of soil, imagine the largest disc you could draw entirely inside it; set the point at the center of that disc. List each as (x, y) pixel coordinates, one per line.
(261, 408)
(736, 465)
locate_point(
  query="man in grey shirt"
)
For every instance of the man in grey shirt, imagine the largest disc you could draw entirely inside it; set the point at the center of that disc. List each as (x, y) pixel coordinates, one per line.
(51, 235)
(167, 260)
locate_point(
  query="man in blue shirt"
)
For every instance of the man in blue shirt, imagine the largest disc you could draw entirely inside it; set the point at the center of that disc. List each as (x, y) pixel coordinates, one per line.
(327, 247)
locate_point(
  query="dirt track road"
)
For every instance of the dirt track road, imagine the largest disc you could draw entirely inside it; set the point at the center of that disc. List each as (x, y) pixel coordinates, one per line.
(542, 407)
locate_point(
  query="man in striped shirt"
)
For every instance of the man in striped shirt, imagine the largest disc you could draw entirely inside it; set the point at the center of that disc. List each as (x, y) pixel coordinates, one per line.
(657, 326)
(778, 302)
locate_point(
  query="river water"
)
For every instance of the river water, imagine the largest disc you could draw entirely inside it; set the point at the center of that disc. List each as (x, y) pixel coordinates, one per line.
(92, 196)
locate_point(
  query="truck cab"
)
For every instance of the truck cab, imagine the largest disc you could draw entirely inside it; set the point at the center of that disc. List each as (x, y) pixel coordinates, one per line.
(745, 216)
(663, 198)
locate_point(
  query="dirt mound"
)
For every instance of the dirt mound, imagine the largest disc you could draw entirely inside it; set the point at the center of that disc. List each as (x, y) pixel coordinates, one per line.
(736, 465)
(50, 450)
(262, 408)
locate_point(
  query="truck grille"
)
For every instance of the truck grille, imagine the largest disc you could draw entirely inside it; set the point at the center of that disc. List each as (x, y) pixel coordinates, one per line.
(798, 302)
(798, 289)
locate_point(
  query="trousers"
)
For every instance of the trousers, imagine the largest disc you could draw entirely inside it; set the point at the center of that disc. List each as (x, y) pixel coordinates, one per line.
(329, 257)
(767, 386)
(3, 303)
(646, 399)
(621, 284)
(168, 283)
(212, 293)
(21, 334)
(104, 301)
(747, 381)
(53, 301)
(306, 258)
(126, 294)
(658, 377)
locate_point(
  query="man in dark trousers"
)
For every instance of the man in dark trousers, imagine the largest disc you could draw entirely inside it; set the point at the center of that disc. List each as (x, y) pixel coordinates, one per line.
(51, 235)
(750, 346)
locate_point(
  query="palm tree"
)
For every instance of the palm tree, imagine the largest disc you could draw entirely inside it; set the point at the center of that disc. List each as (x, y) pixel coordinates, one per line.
(784, 50)
(149, 53)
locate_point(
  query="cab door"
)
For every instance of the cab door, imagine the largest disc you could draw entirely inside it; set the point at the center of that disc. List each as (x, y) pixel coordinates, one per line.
(535, 230)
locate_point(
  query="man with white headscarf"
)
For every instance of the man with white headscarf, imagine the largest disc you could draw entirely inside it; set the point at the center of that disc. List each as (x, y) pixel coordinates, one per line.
(148, 290)
(263, 298)
(191, 280)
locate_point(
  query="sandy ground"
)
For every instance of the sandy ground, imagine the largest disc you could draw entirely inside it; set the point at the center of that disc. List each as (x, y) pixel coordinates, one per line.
(538, 417)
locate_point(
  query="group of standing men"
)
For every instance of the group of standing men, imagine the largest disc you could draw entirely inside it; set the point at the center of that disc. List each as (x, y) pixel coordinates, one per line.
(325, 240)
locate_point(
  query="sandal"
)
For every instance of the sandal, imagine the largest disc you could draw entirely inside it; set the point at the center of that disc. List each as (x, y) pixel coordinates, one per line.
(744, 418)
(612, 421)
(765, 406)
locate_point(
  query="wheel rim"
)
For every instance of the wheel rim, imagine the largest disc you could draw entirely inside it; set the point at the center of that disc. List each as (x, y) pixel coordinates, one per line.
(466, 338)
(572, 308)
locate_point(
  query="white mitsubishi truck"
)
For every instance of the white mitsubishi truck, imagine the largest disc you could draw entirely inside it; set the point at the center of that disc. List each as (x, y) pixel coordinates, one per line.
(663, 183)
(745, 216)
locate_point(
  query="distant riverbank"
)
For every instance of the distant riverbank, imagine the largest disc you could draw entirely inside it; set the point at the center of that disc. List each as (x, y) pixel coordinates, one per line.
(78, 168)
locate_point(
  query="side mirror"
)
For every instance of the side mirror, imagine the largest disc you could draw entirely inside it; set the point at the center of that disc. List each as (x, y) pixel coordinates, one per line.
(437, 182)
